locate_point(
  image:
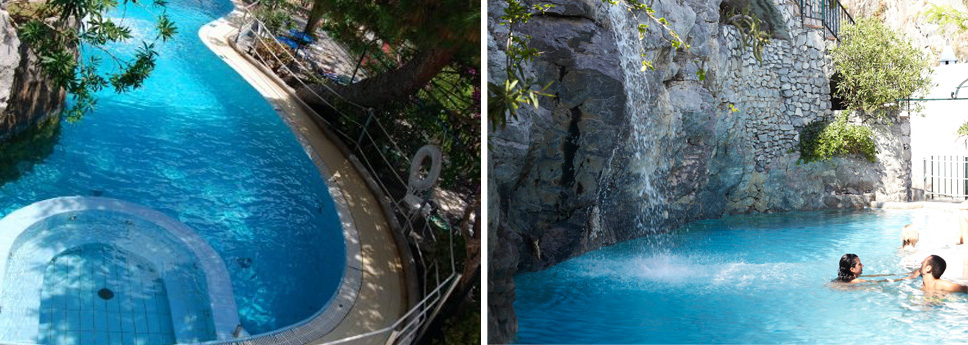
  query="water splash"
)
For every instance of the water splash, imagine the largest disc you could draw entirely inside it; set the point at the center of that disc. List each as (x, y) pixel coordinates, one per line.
(705, 273)
(644, 133)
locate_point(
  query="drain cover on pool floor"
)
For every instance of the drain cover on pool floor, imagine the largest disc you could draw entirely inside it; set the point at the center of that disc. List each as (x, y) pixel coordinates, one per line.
(105, 294)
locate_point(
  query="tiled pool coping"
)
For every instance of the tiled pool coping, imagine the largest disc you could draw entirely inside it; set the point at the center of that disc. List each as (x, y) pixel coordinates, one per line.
(220, 295)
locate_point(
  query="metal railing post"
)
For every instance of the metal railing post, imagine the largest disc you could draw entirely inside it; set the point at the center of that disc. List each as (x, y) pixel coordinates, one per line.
(801, 11)
(369, 117)
(359, 63)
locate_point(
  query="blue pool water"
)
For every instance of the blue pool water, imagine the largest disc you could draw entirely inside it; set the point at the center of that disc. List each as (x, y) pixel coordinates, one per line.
(747, 279)
(96, 294)
(200, 145)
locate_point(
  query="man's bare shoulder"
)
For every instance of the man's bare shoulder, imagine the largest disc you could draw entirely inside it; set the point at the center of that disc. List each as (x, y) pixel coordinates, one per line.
(945, 285)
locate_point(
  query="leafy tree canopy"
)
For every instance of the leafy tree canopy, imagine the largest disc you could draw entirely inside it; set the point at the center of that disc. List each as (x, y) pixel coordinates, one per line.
(426, 24)
(878, 67)
(56, 29)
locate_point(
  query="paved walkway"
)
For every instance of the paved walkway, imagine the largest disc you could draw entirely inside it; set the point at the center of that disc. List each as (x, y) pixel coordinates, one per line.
(382, 297)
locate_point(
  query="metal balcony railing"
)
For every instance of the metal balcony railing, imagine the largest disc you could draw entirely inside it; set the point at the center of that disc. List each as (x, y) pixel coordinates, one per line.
(946, 177)
(829, 12)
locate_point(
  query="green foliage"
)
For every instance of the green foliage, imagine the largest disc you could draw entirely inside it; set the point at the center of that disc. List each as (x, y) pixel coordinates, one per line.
(56, 29)
(878, 68)
(454, 124)
(947, 17)
(424, 24)
(462, 328)
(962, 133)
(504, 100)
(275, 15)
(274, 20)
(821, 141)
(750, 29)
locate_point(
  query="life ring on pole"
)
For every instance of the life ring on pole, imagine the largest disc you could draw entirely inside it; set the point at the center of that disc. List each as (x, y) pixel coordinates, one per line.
(421, 184)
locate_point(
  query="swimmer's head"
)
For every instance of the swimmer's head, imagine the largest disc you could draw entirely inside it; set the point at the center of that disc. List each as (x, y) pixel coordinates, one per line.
(909, 235)
(937, 265)
(850, 268)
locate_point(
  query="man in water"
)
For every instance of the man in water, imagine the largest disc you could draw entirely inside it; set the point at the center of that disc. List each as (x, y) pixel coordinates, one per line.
(931, 269)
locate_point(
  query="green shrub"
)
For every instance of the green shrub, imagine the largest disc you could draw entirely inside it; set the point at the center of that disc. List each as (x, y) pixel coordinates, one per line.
(878, 68)
(820, 141)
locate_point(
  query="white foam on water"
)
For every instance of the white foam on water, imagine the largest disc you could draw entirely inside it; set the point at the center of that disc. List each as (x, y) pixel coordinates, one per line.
(662, 270)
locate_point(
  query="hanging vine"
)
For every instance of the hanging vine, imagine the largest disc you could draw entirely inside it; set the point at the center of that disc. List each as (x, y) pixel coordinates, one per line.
(751, 31)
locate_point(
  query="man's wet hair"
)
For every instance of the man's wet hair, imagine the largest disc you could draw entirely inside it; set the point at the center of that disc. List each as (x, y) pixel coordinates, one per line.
(937, 266)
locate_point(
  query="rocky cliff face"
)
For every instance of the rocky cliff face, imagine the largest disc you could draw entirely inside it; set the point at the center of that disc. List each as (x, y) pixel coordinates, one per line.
(26, 97)
(907, 18)
(619, 153)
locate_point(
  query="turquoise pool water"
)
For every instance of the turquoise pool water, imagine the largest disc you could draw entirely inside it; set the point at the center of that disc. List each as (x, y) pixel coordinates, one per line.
(200, 145)
(96, 294)
(748, 279)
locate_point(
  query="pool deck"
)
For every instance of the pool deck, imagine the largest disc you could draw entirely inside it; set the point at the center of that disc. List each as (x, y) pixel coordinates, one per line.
(935, 205)
(382, 297)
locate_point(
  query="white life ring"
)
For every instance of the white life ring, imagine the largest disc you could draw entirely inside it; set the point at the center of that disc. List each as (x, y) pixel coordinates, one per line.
(421, 184)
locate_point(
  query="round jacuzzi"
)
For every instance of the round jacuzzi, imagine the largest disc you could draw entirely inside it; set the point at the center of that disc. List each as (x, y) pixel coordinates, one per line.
(83, 269)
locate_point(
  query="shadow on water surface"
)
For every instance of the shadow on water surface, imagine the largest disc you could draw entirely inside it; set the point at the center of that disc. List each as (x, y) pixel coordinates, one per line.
(19, 154)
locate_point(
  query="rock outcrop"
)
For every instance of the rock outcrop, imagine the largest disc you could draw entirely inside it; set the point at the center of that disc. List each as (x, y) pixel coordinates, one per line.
(26, 96)
(619, 153)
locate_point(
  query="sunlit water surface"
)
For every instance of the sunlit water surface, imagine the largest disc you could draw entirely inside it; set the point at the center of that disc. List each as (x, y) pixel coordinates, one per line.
(200, 145)
(745, 279)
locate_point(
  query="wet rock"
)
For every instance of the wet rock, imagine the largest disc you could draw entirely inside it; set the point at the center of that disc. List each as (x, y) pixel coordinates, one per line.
(26, 96)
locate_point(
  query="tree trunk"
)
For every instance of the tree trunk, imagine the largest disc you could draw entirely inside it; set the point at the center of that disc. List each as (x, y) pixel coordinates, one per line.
(394, 85)
(315, 14)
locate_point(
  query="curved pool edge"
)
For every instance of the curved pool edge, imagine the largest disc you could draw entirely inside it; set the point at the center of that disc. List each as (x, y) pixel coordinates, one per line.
(374, 292)
(220, 294)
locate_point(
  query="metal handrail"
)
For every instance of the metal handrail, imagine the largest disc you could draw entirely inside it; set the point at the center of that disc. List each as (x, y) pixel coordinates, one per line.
(831, 13)
(948, 176)
(410, 324)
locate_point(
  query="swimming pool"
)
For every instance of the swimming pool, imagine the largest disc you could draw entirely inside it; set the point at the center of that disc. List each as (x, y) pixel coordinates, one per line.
(198, 144)
(743, 279)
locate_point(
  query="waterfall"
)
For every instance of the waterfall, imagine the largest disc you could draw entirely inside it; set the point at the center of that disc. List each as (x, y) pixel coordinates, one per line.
(644, 133)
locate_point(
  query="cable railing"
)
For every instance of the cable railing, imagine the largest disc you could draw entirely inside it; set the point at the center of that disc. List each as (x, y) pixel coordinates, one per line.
(369, 148)
(830, 12)
(946, 177)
